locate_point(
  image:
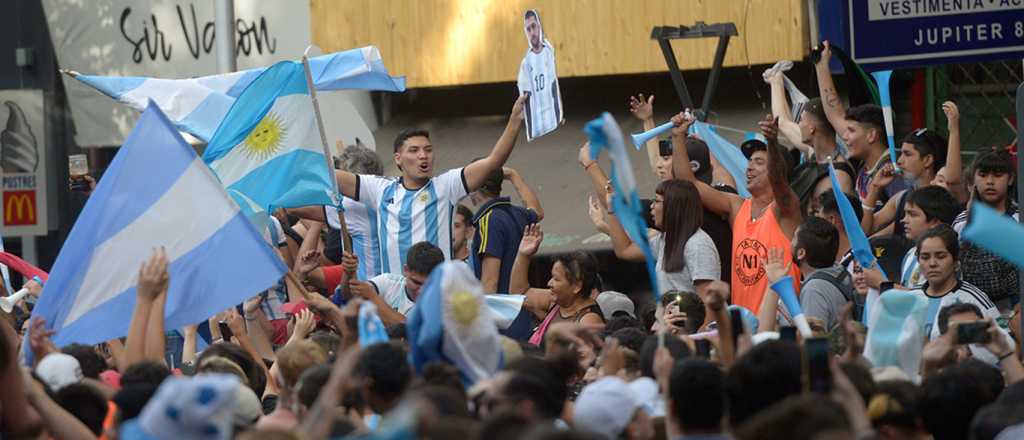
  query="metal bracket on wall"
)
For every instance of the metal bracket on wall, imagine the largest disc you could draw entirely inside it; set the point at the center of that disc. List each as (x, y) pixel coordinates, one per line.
(665, 34)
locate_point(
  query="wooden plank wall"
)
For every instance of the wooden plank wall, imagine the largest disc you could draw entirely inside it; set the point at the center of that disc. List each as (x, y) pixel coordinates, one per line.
(455, 42)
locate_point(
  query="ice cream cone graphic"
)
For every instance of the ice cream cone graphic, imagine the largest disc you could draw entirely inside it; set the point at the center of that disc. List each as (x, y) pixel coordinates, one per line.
(18, 150)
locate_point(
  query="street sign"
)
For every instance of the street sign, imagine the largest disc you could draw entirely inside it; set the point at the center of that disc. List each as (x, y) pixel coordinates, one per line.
(23, 160)
(887, 34)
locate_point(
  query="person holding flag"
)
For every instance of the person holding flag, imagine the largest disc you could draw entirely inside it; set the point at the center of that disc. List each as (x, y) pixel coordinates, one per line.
(417, 206)
(766, 220)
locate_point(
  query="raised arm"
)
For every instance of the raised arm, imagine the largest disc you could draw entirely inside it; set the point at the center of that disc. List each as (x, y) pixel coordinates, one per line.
(624, 247)
(153, 279)
(538, 301)
(834, 110)
(719, 202)
(597, 177)
(643, 109)
(525, 192)
(787, 203)
(476, 172)
(954, 165)
(788, 127)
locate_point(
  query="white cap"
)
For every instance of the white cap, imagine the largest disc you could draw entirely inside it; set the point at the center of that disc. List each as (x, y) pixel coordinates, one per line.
(607, 406)
(58, 370)
(610, 302)
(248, 407)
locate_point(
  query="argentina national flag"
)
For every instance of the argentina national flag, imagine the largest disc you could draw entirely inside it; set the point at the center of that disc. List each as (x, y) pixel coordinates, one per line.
(267, 151)
(452, 323)
(197, 105)
(156, 193)
(604, 133)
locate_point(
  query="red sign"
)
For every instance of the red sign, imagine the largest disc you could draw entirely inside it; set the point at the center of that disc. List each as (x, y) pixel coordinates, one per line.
(19, 208)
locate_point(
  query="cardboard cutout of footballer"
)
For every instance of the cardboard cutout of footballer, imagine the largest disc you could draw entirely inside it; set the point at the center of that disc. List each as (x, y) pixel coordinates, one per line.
(543, 112)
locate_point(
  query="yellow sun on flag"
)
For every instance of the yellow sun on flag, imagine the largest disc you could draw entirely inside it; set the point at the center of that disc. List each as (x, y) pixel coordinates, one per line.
(264, 140)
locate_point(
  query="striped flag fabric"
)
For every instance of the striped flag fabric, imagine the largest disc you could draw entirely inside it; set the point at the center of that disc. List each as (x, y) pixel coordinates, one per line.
(604, 134)
(268, 148)
(727, 154)
(197, 105)
(155, 193)
(451, 323)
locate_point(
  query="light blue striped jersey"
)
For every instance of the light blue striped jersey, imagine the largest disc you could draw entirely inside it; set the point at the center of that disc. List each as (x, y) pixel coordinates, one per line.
(406, 217)
(361, 220)
(910, 270)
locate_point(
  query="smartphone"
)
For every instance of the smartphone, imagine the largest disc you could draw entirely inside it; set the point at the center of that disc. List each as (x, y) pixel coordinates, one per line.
(703, 348)
(78, 165)
(736, 320)
(225, 331)
(974, 332)
(787, 333)
(818, 373)
(665, 147)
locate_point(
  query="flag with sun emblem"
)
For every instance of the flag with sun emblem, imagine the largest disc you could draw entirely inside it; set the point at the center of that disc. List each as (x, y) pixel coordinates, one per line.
(268, 147)
(452, 323)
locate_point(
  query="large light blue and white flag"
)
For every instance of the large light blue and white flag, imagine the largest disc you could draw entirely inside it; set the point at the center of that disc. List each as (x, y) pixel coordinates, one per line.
(604, 134)
(268, 147)
(156, 193)
(451, 323)
(197, 105)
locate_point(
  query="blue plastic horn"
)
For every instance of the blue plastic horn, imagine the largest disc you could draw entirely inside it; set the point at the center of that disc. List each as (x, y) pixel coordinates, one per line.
(639, 139)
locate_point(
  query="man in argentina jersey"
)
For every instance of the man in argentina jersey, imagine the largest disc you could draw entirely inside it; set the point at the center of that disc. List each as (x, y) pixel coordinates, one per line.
(361, 220)
(538, 78)
(419, 206)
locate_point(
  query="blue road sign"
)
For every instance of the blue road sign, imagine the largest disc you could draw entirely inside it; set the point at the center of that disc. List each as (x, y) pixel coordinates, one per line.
(887, 34)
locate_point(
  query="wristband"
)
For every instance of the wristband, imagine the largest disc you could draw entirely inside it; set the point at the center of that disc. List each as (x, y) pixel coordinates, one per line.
(865, 206)
(1004, 357)
(587, 166)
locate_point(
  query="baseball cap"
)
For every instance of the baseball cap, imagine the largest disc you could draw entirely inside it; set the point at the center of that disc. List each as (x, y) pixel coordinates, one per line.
(612, 302)
(700, 158)
(58, 370)
(201, 407)
(607, 405)
(749, 146)
(293, 308)
(248, 407)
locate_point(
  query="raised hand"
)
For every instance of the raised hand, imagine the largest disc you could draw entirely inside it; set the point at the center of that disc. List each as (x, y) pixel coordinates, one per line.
(716, 293)
(235, 322)
(532, 237)
(826, 52)
(682, 122)
(769, 128)
(998, 344)
(517, 108)
(153, 276)
(307, 262)
(39, 338)
(641, 108)
(776, 265)
(952, 115)
(304, 324)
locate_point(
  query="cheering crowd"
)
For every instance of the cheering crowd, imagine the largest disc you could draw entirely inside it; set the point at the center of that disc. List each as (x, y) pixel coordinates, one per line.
(921, 344)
